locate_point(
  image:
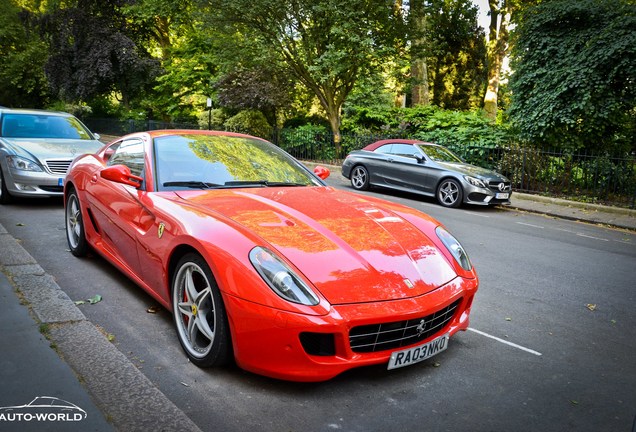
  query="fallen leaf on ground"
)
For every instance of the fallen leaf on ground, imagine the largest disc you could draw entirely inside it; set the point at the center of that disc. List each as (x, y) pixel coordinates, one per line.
(95, 299)
(591, 306)
(153, 309)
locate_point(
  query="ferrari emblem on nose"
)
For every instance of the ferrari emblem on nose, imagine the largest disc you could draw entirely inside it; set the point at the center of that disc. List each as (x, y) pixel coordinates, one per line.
(162, 227)
(421, 328)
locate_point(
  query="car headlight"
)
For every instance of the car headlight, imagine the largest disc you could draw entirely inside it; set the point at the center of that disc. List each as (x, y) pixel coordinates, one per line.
(454, 247)
(23, 164)
(281, 278)
(475, 181)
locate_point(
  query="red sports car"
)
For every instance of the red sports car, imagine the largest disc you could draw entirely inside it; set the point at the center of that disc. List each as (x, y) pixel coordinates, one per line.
(261, 262)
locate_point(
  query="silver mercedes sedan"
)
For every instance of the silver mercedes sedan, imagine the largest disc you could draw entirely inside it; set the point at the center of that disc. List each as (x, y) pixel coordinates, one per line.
(427, 169)
(36, 149)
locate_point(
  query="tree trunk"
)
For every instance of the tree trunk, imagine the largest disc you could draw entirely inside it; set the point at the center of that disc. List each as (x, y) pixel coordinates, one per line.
(419, 72)
(497, 50)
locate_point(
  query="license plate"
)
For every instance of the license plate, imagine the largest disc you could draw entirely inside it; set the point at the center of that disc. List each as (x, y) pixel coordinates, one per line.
(60, 182)
(417, 354)
(502, 196)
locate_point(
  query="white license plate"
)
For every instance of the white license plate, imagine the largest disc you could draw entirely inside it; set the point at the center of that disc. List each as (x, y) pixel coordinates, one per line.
(417, 354)
(502, 196)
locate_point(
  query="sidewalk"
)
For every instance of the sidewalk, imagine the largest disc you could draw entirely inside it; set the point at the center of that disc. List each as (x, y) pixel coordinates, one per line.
(88, 371)
(84, 368)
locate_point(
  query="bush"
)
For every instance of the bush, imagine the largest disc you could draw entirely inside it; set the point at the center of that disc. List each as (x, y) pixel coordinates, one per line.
(251, 122)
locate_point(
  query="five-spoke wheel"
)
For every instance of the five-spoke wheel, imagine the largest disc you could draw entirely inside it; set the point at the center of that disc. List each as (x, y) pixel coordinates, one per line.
(360, 178)
(74, 226)
(199, 313)
(450, 193)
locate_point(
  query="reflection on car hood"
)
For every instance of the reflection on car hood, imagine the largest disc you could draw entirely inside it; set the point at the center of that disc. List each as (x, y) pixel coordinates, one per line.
(351, 248)
(471, 170)
(43, 148)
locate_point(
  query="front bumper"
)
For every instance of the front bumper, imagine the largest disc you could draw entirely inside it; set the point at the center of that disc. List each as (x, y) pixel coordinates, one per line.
(268, 341)
(33, 184)
(492, 195)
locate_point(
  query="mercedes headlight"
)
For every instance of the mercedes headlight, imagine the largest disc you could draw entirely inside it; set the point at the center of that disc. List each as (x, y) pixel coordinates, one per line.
(281, 278)
(475, 181)
(454, 247)
(23, 164)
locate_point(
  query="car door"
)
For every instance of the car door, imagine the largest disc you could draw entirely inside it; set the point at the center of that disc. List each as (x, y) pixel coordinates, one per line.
(116, 207)
(403, 169)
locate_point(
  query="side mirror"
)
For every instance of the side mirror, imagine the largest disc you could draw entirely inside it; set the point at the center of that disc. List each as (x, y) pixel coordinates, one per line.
(420, 159)
(322, 172)
(121, 174)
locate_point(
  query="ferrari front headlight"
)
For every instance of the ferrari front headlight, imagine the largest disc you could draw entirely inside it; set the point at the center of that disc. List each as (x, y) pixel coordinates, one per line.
(454, 247)
(281, 279)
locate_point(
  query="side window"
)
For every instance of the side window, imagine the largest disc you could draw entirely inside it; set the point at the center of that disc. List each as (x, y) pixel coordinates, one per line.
(405, 150)
(386, 149)
(129, 153)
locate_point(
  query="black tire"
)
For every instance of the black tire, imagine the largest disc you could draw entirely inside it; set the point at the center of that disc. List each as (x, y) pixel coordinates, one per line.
(360, 177)
(5, 196)
(450, 193)
(199, 313)
(75, 234)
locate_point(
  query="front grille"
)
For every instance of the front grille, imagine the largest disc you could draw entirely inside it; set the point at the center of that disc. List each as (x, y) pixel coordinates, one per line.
(494, 186)
(58, 189)
(58, 166)
(380, 337)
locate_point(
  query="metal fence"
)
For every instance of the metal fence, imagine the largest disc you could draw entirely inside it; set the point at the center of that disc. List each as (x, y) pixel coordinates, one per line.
(596, 178)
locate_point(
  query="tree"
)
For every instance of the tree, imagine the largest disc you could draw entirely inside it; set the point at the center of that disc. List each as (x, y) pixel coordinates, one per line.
(502, 13)
(419, 71)
(23, 54)
(574, 81)
(94, 52)
(326, 44)
(261, 88)
(456, 54)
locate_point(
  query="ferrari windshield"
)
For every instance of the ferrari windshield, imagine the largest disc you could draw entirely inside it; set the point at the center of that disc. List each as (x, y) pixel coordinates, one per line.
(439, 154)
(221, 161)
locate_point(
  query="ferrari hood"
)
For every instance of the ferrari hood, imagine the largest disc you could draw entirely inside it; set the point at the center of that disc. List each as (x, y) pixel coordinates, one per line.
(43, 148)
(352, 249)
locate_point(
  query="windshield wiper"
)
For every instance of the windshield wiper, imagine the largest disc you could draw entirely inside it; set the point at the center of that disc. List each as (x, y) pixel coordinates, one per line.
(260, 183)
(192, 184)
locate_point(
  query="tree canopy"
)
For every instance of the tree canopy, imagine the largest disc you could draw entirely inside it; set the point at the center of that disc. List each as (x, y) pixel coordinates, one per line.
(574, 81)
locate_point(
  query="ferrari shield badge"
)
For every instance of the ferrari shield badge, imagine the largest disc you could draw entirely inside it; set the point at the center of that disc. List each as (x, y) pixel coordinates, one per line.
(162, 227)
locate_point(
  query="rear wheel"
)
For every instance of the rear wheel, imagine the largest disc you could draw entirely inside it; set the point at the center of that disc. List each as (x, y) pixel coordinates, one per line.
(360, 178)
(5, 197)
(450, 193)
(75, 235)
(199, 313)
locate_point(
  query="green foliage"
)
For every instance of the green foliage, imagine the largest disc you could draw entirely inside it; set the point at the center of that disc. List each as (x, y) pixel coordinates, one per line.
(574, 74)
(250, 121)
(22, 54)
(326, 44)
(455, 54)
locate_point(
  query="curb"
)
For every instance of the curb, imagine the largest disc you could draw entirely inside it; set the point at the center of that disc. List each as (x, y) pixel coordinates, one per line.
(126, 397)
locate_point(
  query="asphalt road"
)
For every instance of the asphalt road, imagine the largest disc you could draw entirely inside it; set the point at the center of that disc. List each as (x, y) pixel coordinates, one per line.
(552, 343)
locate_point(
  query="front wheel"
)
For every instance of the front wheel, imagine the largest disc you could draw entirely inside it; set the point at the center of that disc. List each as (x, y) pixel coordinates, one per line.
(5, 197)
(199, 313)
(450, 193)
(360, 178)
(75, 235)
